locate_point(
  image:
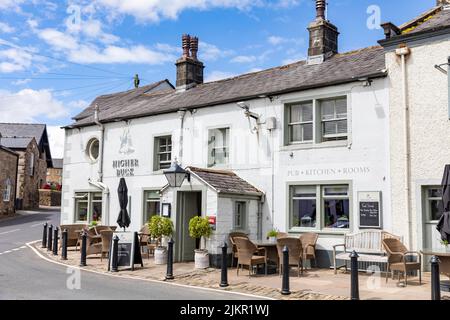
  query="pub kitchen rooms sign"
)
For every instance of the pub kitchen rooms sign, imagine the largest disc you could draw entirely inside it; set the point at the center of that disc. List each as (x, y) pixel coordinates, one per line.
(125, 168)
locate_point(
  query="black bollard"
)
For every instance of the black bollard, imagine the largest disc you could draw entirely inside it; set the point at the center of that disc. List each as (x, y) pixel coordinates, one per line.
(224, 274)
(285, 285)
(115, 254)
(64, 245)
(354, 276)
(55, 241)
(83, 249)
(169, 274)
(435, 279)
(50, 238)
(44, 236)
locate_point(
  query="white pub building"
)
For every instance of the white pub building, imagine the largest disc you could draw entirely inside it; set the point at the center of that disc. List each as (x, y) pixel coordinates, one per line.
(297, 148)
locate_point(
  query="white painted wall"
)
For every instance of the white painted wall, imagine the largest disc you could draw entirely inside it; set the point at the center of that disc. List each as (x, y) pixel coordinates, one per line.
(250, 153)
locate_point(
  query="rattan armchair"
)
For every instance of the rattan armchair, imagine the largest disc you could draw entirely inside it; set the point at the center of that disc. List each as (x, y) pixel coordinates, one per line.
(106, 242)
(231, 236)
(309, 241)
(294, 246)
(281, 235)
(248, 254)
(73, 231)
(397, 253)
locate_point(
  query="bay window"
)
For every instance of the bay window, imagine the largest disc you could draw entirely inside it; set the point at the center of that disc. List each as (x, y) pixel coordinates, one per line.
(319, 207)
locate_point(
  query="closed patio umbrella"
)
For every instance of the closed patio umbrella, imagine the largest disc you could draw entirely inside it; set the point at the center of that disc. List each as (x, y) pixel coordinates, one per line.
(124, 219)
(443, 225)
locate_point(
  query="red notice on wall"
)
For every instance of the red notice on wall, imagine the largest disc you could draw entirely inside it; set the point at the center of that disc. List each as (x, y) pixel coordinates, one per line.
(212, 222)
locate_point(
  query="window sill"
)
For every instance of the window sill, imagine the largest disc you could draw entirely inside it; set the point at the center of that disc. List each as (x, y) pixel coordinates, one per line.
(306, 146)
(321, 232)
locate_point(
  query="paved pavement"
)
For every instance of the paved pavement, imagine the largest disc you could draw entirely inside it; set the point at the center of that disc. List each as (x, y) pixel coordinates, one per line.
(24, 275)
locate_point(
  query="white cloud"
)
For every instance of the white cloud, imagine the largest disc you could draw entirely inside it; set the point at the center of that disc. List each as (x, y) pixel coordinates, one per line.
(14, 59)
(164, 47)
(277, 40)
(21, 82)
(218, 75)
(10, 4)
(57, 39)
(210, 52)
(6, 28)
(244, 59)
(28, 105)
(56, 138)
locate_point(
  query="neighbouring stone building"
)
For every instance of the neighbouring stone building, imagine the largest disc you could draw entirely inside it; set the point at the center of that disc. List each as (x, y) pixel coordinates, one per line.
(54, 174)
(30, 141)
(8, 179)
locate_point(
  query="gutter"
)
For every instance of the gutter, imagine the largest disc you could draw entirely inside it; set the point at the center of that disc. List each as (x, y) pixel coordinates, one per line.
(376, 75)
(415, 36)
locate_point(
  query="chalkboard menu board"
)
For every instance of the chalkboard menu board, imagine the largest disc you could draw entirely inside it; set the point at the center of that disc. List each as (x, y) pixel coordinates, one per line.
(129, 252)
(369, 209)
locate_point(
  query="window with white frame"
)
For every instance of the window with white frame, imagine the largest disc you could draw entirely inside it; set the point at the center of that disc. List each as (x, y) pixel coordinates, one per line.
(93, 149)
(433, 203)
(334, 119)
(163, 152)
(240, 215)
(31, 165)
(320, 207)
(316, 121)
(218, 146)
(7, 191)
(151, 205)
(88, 207)
(300, 122)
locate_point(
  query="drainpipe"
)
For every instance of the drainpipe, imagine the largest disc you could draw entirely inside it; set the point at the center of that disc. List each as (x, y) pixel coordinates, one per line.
(182, 115)
(403, 52)
(99, 184)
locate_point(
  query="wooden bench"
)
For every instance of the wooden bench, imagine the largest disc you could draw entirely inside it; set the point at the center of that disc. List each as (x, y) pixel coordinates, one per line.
(367, 243)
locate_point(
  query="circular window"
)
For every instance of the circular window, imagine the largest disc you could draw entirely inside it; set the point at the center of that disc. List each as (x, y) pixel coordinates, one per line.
(92, 149)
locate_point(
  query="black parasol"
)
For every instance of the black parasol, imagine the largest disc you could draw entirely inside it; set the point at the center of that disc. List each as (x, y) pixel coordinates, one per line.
(443, 225)
(124, 219)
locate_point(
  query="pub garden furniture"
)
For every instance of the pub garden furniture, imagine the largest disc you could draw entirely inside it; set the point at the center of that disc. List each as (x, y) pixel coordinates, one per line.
(106, 236)
(295, 253)
(231, 236)
(443, 253)
(281, 235)
(72, 233)
(144, 239)
(397, 259)
(309, 241)
(250, 255)
(368, 245)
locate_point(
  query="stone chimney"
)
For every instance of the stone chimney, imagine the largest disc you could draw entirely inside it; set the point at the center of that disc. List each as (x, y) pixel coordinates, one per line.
(323, 36)
(189, 68)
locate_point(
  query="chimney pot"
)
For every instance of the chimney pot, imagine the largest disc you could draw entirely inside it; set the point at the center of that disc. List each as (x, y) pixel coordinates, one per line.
(189, 68)
(186, 44)
(194, 47)
(321, 6)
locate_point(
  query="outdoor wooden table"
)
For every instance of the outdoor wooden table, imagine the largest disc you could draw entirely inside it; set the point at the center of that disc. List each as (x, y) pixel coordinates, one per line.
(444, 267)
(271, 247)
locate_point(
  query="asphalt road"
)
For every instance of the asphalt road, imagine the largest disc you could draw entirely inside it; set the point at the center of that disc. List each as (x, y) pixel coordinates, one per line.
(24, 275)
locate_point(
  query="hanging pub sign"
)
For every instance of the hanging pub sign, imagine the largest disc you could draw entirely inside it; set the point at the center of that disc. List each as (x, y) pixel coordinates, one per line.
(129, 252)
(369, 205)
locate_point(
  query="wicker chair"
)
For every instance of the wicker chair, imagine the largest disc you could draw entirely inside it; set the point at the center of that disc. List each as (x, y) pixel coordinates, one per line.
(249, 254)
(295, 253)
(231, 236)
(72, 233)
(397, 261)
(281, 235)
(106, 242)
(309, 241)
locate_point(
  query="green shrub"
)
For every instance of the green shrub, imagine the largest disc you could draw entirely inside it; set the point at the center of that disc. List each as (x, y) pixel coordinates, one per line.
(272, 233)
(160, 227)
(200, 228)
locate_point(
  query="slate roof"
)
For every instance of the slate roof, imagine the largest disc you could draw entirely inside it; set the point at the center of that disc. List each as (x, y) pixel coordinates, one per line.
(341, 68)
(435, 18)
(225, 181)
(16, 143)
(20, 130)
(58, 163)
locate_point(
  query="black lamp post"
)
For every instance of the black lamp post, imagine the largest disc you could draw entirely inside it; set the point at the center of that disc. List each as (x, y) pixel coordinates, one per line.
(175, 175)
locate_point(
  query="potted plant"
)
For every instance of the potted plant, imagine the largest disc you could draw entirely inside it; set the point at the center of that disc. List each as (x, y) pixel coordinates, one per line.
(445, 244)
(160, 227)
(272, 235)
(200, 228)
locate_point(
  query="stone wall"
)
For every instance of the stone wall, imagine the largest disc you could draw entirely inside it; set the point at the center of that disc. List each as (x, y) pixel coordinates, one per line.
(30, 182)
(8, 170)
(49, 198)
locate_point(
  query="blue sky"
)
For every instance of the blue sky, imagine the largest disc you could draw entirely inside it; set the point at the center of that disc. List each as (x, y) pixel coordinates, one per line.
(56, 56)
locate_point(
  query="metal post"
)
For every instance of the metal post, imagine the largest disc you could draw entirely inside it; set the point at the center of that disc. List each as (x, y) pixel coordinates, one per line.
(285, 285)
(50, 238)
(64, 245)
(224, 274)
(55, 241)
(83, 249)
(435, 279)
(354, 276)
(115, 254)
(44, 236)
(169, 274)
